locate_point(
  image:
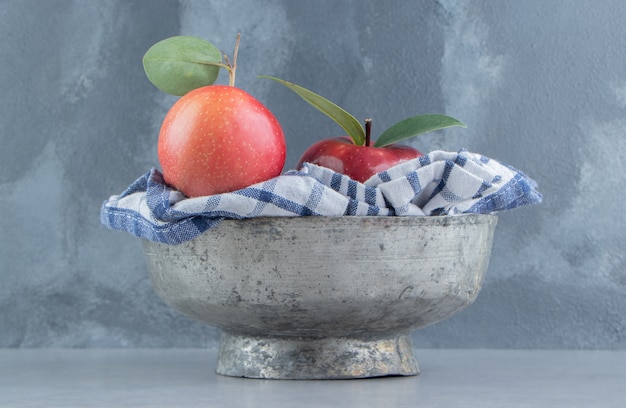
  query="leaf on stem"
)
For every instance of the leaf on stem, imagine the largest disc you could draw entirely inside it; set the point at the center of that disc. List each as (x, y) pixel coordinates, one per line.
(414, 126)
(179, 64)
(348, 123)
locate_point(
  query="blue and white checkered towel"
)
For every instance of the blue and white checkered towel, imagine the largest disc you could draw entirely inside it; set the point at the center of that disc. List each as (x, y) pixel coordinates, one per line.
(440, 183)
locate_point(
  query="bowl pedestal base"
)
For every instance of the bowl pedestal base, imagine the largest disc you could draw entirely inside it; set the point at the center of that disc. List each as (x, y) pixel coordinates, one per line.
(302, 358)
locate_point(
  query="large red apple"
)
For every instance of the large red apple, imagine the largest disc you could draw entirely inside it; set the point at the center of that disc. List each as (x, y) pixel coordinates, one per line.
(357, 162)
(216, 139)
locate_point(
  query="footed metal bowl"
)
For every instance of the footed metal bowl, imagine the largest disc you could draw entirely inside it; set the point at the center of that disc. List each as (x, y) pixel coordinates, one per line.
(324, 297)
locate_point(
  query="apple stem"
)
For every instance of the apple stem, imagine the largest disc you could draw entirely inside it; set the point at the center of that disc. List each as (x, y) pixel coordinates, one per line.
(232, 67)
(368, 131)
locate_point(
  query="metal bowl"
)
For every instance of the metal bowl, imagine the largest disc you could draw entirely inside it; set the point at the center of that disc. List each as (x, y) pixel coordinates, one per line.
(324, 297)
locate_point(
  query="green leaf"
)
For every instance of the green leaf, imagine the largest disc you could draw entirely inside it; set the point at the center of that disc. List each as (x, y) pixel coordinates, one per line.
(414, 126)
(177, 65)
(349, 123)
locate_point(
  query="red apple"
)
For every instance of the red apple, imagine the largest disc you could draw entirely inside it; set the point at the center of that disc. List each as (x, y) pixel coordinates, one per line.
(354, 155)
(216, 139)
(357, 162)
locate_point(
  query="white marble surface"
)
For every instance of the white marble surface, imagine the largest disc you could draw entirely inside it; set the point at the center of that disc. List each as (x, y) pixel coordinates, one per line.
(185, 378)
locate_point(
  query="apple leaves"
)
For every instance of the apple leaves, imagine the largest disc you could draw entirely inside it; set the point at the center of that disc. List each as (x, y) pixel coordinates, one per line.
(402, 130)
(347, 122)
(177, 65)
(414, 126)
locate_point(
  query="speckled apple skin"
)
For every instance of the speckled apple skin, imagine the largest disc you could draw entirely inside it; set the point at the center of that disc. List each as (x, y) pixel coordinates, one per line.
(218, 139)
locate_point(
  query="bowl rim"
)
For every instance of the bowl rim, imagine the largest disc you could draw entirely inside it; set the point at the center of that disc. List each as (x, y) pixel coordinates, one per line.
(476, 218)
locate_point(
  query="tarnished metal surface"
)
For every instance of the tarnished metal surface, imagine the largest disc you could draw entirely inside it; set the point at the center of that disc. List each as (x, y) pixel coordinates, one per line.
(324, 297)
(317, 358)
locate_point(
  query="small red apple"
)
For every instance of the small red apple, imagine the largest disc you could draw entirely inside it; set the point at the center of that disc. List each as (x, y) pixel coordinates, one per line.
(357, 162)
(216, 139)
(354, 155)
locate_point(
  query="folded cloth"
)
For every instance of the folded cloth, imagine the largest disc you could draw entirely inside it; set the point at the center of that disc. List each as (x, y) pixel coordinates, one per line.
(440, 183)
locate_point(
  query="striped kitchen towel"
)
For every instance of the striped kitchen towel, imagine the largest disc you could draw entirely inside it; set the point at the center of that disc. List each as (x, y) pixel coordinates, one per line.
(440, 183)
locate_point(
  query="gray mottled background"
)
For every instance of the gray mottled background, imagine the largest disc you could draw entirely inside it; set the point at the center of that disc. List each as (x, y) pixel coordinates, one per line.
(541, 85)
